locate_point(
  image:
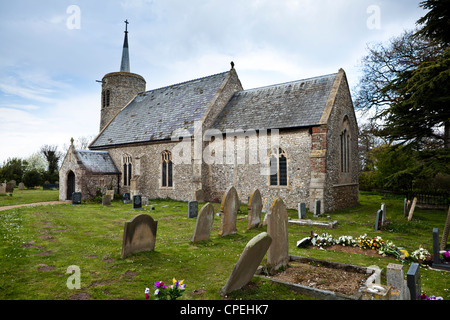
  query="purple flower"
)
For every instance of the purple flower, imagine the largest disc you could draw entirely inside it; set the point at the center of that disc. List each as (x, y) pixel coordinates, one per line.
(446, 254)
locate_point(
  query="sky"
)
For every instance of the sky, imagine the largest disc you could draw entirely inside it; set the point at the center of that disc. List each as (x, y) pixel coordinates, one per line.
(53, 51)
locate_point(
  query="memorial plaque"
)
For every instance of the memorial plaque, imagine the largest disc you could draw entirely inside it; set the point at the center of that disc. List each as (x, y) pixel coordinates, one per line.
(76, 198)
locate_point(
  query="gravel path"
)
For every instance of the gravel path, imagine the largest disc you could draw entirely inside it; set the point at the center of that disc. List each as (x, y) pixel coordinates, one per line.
(31, 204)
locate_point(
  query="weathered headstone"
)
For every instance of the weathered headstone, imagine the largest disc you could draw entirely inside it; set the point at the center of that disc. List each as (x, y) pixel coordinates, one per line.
(248, 262)
(110, 193)
(126, 198)
(192, 209)
(383, 217)
(395, 280)
(406, 207)
(106, 200)
(199, 195)
(446, 231)
(204, 223)
(2, 188)
(10, 187)
(21, 186)
(139, 235)
(411, 211)
(254, 210)
(413, 281)
(316, 208)
(76, 198)
(277, 228)
(302, 210)
(137, 202)
(378, 221)
(229, 209)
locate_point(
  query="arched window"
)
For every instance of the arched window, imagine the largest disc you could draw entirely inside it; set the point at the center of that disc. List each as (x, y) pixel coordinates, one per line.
(166, 169)
(345, 147)
(127, 170)
(278, 168)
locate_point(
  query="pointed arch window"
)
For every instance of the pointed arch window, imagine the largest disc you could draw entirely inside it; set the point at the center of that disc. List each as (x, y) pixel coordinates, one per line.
(127, 170)
(345, 151)
(278, 168)
(166, 169)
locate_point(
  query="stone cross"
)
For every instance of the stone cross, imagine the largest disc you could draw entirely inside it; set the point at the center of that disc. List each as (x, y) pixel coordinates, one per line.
(205, 220)
(277, 228)
(248, 262)
(254, 210)
(229, 209)
(139, 235)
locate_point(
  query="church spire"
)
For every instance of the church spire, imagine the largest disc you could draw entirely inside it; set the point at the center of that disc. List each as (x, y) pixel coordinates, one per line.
(125, 64)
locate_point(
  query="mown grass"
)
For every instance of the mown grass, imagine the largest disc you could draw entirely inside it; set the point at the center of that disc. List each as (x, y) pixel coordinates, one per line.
(27, 196)
(90, 236)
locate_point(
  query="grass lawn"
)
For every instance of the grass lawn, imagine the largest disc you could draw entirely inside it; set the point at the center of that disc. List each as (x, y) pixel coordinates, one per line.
(27, 196)
(38, 244)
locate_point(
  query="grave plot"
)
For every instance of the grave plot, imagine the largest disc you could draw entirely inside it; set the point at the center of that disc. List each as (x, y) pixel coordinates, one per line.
(321, 279)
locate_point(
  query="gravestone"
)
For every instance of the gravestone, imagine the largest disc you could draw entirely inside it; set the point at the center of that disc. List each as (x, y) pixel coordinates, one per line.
(110, 193)
(204, 223)
(411, 211)
(192, 209)
(395, 280)
(228, 210)
(413, 281)
(2, 188)
(383, 217)
(254, 210)
(21, 186)
(126, 198)
(137, 202)
(316, 208)
(446, 231)
(76, 198)
(10, 187)
(106, 200)
(406, 207)
(139, 235)
(379, 219)
(248, 263)
(302, 210)
(438, 263)
(277, 228)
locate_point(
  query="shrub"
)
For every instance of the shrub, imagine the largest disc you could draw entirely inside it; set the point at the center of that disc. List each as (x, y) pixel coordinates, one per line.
(32, 178)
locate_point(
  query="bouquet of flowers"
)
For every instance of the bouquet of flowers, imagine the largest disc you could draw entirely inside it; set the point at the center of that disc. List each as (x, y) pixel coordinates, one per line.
(324, 240)
(389, 249)
(163, 292)
(346, 241)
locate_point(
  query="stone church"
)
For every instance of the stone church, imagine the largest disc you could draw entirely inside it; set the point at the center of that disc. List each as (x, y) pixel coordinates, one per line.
(192, 140)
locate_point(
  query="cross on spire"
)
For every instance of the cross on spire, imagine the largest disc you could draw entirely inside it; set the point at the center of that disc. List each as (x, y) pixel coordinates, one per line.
(126, 25)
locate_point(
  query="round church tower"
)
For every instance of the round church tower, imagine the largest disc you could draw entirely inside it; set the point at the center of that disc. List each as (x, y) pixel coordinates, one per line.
(119, 88)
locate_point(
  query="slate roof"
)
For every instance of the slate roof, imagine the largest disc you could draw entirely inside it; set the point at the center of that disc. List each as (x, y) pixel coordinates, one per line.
(97, 161)
(155, 114)
(288, 105)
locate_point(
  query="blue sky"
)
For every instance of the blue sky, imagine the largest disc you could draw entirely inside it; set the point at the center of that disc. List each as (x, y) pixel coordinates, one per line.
(53, 51)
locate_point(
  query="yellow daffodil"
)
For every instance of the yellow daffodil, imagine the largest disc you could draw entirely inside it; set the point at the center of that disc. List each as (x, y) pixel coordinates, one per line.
(405, 253)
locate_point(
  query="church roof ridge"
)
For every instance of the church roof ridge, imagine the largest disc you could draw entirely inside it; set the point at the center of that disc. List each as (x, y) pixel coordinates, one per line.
(184, 82)
(282, 84)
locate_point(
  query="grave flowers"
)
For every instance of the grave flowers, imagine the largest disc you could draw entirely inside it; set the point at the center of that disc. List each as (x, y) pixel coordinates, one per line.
(421, 255)
(164, 292)
(446, 256)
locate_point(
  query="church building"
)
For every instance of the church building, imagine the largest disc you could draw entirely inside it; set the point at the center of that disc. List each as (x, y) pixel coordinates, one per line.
(192, 140)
